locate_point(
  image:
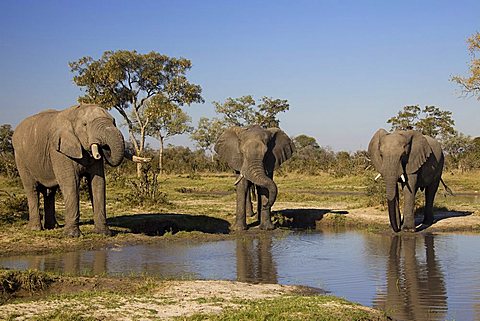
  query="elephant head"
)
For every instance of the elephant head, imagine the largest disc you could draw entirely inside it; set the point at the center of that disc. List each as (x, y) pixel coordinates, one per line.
(92, 129)
(255, 152)
(395, 156)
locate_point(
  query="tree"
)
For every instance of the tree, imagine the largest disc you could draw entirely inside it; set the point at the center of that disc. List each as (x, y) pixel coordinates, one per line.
(471, 83)
(303, 141)
(6, 134)
(207, 133)
(455, 147)
(7, 159)
(125, 80)
(243, 111)
(166, 120)
(430, 120)
(266, 116)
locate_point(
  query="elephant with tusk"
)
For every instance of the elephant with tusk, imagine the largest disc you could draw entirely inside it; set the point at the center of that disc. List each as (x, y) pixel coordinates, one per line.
(254, 152)
(414, 161)
(56, 149)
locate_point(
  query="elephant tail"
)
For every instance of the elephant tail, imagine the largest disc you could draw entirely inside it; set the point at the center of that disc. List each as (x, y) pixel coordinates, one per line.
(448, 191)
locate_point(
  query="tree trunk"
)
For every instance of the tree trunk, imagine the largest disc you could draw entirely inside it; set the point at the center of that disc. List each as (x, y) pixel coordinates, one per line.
(160, 156)
(140, 151)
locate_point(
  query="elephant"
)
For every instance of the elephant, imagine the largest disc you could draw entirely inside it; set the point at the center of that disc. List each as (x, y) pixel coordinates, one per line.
(415, 161)
(254, 152)
(56, 149)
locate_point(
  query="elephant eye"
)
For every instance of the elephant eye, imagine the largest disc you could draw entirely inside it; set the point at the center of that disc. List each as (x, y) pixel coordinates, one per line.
(84, 124)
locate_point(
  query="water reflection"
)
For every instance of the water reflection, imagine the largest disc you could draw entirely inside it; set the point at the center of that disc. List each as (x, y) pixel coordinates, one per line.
(415, 286)
(255, 261)
(408, 276)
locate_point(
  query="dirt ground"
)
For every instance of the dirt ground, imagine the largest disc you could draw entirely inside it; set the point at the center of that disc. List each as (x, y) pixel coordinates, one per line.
(161, 300)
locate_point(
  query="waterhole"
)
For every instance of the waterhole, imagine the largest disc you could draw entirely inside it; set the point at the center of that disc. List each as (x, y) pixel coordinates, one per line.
(411, 277)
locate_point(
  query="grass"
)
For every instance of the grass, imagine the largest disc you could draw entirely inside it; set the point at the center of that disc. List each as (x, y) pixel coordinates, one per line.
(103, 298)
(292, 308)
(204, 204)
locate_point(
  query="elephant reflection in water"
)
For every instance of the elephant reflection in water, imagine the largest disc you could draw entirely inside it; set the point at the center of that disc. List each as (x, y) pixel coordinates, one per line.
(254, 260)
(415, 287)
(71, 263)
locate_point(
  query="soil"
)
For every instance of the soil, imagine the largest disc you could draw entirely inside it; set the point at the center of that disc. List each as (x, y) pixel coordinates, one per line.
(124, 299)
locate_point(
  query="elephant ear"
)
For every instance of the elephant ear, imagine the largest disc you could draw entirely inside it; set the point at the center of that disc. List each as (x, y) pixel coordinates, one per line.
(374, 148)
(280, 148)
(67, 142)
(228, 148)
(420, 150)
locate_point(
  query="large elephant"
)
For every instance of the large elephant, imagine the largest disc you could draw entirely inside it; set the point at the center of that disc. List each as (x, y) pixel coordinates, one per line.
(254, 152)
(413, 160)
(56, 149)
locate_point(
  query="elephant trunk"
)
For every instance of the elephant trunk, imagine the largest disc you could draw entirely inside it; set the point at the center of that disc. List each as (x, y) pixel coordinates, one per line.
(256, 174)
(110, 140)
(391, 172)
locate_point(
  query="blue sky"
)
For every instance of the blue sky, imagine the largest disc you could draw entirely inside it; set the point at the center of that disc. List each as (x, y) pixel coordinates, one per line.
(344, 66)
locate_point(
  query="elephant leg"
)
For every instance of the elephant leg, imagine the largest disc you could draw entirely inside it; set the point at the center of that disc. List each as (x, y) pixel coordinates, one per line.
(30, 186)
(409, 205)
(430, 192)
(241, 219)
(49, 207)
(264, 214)
(70, 189)
(96, 185)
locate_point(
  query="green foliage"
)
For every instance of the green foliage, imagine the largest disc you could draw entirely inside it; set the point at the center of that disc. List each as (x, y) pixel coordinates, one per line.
(7, 159)
(243, 111)
(301, 308)
(126, 80)
(30, 280)
(13, 208)
(375, 190)
(207, 132)
(312, 159)
(471, 83)
(430, 120)
(145, 190)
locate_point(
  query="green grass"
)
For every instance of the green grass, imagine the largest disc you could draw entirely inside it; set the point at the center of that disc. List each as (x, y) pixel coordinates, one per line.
(205, 204)
(293, 308)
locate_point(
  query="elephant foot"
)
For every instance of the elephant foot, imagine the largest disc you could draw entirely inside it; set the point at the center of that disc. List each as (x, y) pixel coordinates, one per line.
(34, 226)
(240, 227)
(51, 226)
(103, 231)
(72, 232)
(267, 226)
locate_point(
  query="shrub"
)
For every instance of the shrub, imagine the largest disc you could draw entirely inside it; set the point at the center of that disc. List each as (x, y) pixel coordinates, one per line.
(13, 208)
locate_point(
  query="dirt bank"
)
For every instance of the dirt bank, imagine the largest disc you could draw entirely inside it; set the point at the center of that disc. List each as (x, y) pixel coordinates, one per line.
(148, 299)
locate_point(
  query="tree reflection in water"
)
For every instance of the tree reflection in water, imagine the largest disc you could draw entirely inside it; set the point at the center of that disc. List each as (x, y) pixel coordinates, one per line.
(415, 286)
(254, 260)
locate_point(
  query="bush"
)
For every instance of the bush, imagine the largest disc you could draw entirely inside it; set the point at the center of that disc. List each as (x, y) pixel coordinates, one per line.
(13, 208)
(144, 190)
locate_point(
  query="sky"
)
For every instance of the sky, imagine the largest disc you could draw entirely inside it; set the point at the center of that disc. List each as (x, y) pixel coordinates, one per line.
(345, 67)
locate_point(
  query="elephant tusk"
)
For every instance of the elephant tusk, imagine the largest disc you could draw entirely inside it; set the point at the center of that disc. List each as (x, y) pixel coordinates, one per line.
(239, 179)
(402, 177)
(138, 159)
(95, 152)
(378, 176)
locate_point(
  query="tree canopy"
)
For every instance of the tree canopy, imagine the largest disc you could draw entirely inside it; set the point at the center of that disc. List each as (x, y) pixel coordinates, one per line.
(126, 80)
(430, 120)
(244, 111)
(471, 83)
(207, 132)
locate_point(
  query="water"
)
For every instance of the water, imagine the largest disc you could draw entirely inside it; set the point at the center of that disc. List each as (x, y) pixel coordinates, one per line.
(412, 277)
